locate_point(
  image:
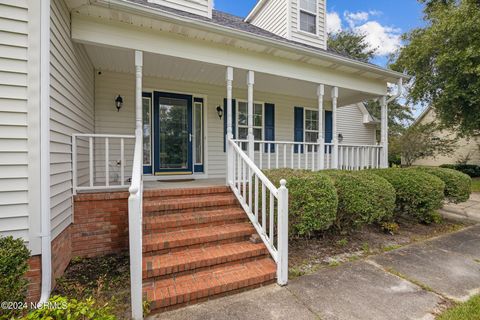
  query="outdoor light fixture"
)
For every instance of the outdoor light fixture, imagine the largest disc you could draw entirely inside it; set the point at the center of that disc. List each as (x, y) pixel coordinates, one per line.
(340, 137)
(220, 112)
(119, 103)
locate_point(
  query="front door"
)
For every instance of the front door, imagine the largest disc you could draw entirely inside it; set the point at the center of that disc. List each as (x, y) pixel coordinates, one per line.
(172, 114)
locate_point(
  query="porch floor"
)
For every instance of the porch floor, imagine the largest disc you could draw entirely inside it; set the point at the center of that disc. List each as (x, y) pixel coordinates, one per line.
(182, 183)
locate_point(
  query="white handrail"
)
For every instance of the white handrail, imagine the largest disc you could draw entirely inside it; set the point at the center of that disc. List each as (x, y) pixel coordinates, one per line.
(135, 218)
(89, 140)
(247, 176)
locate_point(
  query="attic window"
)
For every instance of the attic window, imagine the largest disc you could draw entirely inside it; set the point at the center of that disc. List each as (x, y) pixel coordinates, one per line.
(308, 16)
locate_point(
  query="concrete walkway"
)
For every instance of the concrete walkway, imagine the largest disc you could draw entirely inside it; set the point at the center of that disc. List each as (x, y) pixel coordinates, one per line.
(467, 211)
(413, 282)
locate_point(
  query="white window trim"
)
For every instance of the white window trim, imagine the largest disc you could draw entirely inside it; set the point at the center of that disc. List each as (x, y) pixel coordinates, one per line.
(299, 10)
(305, 123)
(243, 126)
(194, 150)
(151, 129)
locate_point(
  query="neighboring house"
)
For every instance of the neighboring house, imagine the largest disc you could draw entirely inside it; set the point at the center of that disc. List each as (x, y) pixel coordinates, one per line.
(466, 150)
(214, 96)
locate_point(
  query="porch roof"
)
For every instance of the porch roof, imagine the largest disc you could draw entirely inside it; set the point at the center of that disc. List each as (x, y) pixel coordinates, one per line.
(236, 27)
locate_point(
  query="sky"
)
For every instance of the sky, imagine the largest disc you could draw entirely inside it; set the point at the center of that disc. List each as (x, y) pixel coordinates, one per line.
(382, 21)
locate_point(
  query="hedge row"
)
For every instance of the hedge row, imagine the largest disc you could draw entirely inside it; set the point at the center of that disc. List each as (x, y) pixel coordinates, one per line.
(469, 169)
(348, 199)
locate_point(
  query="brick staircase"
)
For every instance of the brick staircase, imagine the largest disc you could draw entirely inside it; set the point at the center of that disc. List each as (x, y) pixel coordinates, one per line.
(196, 246)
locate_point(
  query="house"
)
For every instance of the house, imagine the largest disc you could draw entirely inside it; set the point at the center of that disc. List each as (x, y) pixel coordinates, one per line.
(466, 150)
(143, 125)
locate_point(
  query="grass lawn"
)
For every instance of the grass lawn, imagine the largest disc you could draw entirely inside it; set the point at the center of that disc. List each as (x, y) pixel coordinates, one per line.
(469, 310)
(476, 185)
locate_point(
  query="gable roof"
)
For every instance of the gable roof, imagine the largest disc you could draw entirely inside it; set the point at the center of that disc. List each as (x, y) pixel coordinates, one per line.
(230, 23)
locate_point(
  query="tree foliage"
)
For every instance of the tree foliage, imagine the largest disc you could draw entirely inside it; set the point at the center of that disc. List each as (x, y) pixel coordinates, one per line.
(444, 58)
(351, 44)
(419, 141)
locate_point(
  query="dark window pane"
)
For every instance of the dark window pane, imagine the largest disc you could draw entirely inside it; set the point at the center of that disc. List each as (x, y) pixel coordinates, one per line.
(308, 22)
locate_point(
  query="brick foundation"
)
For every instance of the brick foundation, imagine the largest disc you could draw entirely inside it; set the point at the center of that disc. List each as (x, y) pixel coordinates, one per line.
(100, 227)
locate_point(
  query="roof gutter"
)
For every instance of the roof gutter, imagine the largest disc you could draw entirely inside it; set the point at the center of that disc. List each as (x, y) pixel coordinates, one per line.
(209, 26)
(45, 229)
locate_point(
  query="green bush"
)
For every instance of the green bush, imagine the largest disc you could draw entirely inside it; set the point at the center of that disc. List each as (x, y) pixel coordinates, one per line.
(419, 194)
(363, 198)
(312, 201)
(13, 266)
(458, 185)
(469, 169)
(61, 308)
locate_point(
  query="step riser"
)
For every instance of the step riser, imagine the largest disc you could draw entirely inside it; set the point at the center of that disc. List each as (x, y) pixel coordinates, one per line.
(163, 193)
(193, 205)
(156, 229)
(188, 269)
(149, 212)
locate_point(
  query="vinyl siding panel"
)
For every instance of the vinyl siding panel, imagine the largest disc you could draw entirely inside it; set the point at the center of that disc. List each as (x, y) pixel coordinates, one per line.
(108, 120)
(199, 7)
(273, 17)
(13, 119)
(72, 111)
(318, 40)
(351, 126)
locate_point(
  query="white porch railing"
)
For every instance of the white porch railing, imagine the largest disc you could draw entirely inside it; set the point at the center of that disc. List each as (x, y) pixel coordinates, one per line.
(98, 157)
(306, 155)
(265, 205)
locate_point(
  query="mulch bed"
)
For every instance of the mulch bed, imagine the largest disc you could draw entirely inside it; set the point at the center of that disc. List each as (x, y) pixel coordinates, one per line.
(308, 255)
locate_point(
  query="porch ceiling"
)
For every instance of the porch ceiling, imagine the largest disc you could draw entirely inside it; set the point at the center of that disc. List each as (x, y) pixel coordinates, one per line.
(172, 68)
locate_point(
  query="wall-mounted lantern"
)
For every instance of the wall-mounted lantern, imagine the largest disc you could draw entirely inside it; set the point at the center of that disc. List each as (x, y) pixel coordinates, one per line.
(119, 103)
(220, 112)
(340, 137)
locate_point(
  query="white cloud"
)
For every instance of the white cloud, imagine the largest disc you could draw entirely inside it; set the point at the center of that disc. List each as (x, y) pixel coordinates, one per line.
(384, 40)
(334, 23)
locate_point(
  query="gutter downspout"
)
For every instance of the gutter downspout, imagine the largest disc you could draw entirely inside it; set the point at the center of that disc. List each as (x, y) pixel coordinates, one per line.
(45, 150)
(399, 93)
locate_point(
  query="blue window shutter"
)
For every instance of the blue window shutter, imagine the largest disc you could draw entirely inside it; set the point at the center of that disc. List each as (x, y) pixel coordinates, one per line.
(269, 125)
(328, 127)
(298, 130)
(234, 122)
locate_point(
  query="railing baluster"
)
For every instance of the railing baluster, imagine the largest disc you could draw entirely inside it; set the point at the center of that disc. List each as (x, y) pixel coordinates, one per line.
(90, 159)
(264, 209)
(313, 157)
(256, 198)
(268, 152)
(284, 155)
(261, 145)
(305, 148)
(271, 235)
(292, 154)
(276, 156)
(299, 155)
(122, 161)
(250, 189)
(244, 182)
(107, 160)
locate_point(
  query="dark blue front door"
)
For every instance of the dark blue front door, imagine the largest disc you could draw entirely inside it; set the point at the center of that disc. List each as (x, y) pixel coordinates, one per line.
(172, 114)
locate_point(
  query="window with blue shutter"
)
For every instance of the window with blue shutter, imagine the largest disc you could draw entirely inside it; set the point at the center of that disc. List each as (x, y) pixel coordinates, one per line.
(234, 122)
(269, 125)
(298, 128)
(328, 130)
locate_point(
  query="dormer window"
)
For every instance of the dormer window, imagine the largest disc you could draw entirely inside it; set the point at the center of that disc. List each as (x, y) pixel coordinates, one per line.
(308, 16)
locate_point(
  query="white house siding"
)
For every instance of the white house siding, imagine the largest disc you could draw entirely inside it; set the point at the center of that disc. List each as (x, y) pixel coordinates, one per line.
(318, 40)
(199, 7)
(72, 110)
(14, 218)
(351, 126)
(273, 17)
(107, 120)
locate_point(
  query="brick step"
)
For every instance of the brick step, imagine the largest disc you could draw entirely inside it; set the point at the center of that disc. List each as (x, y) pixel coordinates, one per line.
(194, 260)
(189, 220)
(184, 192)
(161, 242)
(190, 204)
(187, 289)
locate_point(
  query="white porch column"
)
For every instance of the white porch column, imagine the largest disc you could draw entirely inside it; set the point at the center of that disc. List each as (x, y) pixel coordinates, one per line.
(384, 132)
(228, 148)
(321, 139)
(135, 222)
(334, 127)
(250, 83)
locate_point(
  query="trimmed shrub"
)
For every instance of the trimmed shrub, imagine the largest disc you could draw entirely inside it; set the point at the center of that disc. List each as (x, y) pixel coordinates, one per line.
(469, 169)
(13, 266)
(458, 185)
(312, 200)
(363, 198)
(419, 194)
(60, 308)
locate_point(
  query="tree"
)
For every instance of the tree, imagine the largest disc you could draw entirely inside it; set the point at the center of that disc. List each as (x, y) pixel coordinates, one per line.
(444, 58)
(419, 142)
(351, 44)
